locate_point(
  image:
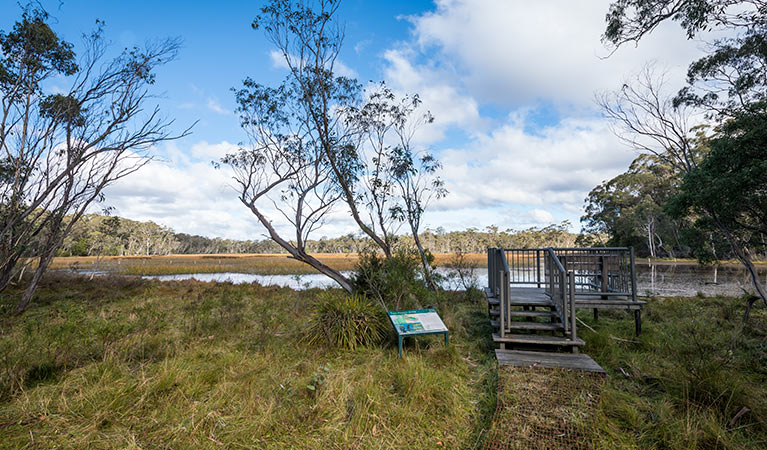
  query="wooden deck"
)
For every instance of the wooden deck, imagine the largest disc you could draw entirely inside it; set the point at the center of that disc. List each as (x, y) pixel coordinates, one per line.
(571, 361)
(533, 296)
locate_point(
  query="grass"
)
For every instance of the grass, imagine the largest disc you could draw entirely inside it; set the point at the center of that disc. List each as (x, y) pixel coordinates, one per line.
(265, 264)
(128, 363)
(695, 378)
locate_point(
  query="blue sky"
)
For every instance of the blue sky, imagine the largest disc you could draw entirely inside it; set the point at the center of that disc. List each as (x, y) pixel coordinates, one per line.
(511, 85)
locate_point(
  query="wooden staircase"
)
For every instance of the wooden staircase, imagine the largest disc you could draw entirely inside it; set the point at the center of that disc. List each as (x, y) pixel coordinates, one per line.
(533, 324)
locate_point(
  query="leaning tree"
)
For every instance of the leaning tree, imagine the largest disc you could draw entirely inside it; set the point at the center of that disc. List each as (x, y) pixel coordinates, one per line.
(729, 87)
(319, 140)
(61, 150)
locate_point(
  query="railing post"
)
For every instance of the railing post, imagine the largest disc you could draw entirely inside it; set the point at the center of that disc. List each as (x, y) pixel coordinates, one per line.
(633, 276)
(538, 267)
(503, 298)
(491, 271)
(573, 327)
(605, 276)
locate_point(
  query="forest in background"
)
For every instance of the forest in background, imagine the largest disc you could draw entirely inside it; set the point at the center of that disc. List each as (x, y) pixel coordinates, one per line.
(639, 208)
(98, 235)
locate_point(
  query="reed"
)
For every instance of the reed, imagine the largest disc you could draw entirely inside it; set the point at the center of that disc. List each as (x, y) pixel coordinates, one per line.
(265, 264)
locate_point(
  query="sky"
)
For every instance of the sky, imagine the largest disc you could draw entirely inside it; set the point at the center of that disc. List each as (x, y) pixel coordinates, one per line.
(511, 85)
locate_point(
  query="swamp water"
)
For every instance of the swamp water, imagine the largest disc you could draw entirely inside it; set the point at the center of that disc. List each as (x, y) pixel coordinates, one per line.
(666, 279)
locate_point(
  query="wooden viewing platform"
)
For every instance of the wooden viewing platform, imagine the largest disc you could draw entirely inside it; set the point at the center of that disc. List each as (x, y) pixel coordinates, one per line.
(533, 295)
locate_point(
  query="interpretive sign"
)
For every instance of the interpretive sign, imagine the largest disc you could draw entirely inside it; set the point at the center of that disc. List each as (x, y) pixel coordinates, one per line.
(417, 322)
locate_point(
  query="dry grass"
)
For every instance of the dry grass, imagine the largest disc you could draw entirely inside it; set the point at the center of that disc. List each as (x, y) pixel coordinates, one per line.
(124, 363)
(265, 264)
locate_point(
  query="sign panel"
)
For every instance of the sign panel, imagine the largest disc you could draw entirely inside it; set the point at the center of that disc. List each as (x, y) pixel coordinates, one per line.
(419, 321)
(416, 322)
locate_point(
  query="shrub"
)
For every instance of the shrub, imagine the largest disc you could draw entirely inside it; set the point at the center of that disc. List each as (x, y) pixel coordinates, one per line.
(346, 321)
(396, 282)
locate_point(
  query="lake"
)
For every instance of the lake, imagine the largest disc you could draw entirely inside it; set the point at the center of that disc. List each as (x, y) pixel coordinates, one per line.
(659, 279)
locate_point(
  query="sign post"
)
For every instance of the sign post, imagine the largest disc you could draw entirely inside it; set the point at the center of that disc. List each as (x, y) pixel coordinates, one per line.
(417, 322)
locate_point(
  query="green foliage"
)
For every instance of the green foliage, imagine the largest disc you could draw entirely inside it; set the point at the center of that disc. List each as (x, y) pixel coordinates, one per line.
(731, 78)
(346, 321)
(727, 190)
(32, 50)
(629, 209)
(396, 283)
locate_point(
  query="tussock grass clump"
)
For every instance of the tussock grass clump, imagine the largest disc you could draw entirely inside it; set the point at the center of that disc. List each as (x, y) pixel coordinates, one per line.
(346, 321)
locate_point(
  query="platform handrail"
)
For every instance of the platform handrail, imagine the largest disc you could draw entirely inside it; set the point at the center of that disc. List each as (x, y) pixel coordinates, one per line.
(607, 272)
(558, 288)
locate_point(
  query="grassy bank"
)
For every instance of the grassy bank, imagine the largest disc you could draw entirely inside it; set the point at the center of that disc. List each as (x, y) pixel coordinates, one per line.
(127, 363)
(265, 264)
(119, 363)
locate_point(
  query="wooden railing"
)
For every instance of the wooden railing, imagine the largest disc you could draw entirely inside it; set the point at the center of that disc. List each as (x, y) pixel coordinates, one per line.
(560, 288)
(605, 271)
(499, 282)
(565, 274)
(537, 267)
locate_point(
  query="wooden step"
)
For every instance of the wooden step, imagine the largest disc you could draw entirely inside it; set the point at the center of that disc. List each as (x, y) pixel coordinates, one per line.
(534, 339)
(529, 326)
(538, 303)
(536, 326)
(572, 361)
(493, 301)
(531, 314)
(544, 314)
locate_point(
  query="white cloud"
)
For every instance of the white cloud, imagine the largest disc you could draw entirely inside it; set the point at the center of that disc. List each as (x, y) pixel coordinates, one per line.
(185, 192)
(216, 107)
(440, 95)
(512, 168)
(519, 52)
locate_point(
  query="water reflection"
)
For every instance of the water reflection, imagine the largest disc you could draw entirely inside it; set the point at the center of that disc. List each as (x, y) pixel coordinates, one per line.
(307, 281)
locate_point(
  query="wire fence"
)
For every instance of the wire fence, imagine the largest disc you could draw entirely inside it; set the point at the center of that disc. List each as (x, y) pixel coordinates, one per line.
(541, 408)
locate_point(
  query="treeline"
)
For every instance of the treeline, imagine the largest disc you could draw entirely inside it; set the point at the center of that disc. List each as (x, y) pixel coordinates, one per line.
(640, 208)
(98, 235)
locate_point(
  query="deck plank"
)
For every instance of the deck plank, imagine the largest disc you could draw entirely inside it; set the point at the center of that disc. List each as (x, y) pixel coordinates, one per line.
(571, 361)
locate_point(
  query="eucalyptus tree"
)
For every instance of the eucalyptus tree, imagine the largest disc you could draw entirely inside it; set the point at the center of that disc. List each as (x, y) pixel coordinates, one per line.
(728, 85)
(398, 181)
(316, 142)
(732, 76)
(59, 151)
(630, 208)
(298, 142)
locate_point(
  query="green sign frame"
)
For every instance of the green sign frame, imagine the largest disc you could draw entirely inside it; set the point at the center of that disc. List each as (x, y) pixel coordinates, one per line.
(417, 322)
